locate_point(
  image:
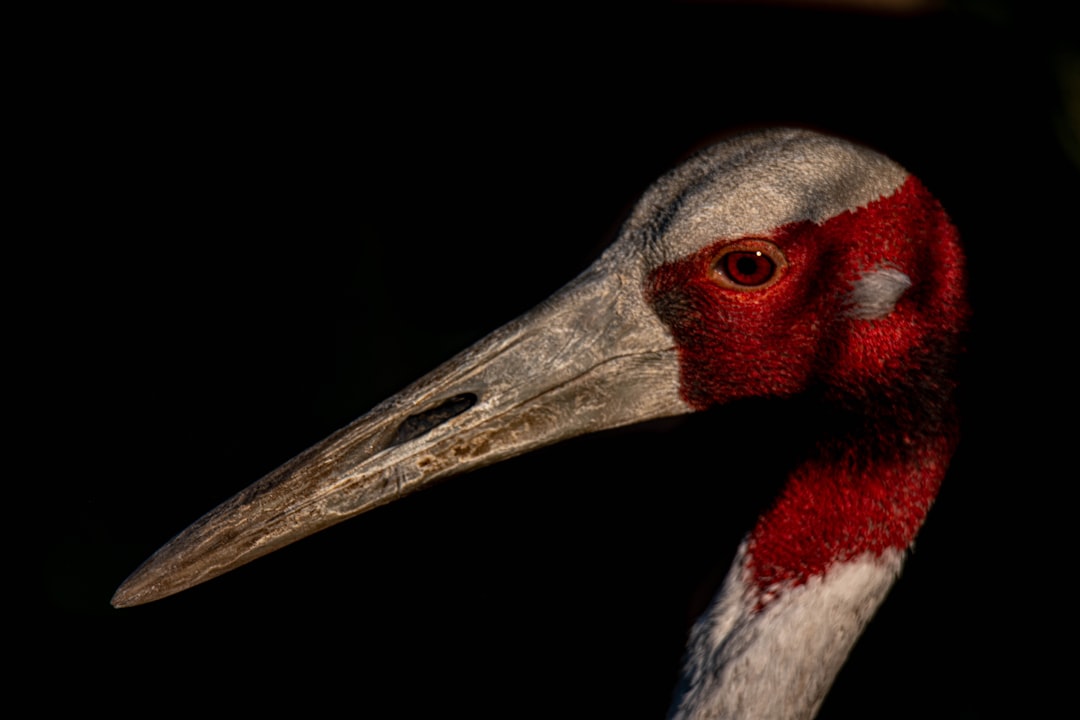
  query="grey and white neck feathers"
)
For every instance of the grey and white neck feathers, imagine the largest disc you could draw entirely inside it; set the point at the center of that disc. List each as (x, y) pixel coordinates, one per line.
(778, 663)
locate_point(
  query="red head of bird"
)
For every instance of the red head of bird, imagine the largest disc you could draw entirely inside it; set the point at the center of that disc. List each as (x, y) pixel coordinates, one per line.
(780, 264)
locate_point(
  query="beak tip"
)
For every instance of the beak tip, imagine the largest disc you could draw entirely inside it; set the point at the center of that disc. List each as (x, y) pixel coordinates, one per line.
(129, 594)
(143, 586)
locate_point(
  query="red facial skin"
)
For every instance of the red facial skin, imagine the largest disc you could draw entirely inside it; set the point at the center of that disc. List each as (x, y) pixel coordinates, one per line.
(871, 479)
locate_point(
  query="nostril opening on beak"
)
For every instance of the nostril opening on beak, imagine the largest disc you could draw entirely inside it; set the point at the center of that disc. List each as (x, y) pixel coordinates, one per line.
(423, 422)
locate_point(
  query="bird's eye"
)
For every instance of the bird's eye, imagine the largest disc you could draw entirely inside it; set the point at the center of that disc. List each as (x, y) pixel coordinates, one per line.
(749, 265)
(745, 267)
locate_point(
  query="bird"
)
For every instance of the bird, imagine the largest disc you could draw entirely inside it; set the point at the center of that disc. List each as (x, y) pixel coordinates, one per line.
(780, 264)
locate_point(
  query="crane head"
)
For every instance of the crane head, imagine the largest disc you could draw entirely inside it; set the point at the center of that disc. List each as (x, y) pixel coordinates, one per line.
(765, 265)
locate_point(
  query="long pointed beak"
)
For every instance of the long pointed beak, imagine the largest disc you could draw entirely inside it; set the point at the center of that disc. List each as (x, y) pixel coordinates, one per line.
(591, 357)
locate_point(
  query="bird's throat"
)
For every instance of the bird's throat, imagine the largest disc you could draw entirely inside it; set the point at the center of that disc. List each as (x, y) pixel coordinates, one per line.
(852, 499)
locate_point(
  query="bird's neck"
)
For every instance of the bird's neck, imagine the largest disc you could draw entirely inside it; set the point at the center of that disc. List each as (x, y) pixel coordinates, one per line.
(855, 497)
(814, 569)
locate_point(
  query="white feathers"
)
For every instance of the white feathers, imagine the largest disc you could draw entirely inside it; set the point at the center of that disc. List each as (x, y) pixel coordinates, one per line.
(875, 294)
(778, 662)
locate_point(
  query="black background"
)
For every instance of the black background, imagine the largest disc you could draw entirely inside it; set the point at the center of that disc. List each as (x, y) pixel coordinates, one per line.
(252, 228)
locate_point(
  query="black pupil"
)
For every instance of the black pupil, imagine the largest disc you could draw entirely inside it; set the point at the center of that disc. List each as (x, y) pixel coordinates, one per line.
(748, 267)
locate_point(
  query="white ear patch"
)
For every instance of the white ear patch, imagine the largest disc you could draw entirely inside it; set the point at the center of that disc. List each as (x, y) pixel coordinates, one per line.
(875, 294)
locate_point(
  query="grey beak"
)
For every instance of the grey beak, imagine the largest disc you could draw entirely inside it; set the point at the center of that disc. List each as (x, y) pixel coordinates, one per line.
(591, 357)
